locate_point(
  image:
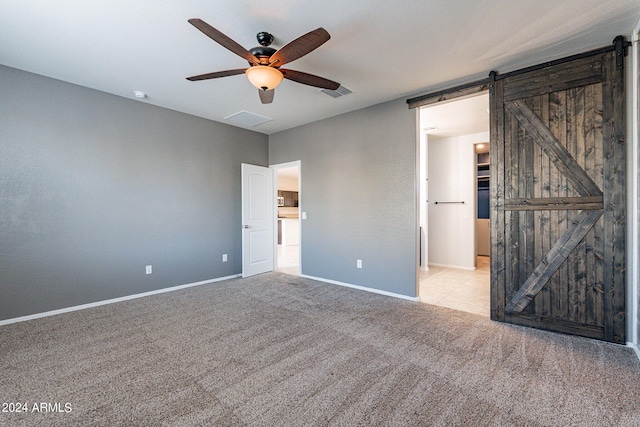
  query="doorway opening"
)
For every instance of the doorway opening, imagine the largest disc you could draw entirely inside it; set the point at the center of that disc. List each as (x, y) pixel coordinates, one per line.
(287, 231)
(454, 177)
(483, 203)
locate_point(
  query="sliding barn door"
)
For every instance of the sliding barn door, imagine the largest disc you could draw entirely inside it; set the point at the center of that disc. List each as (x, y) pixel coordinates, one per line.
(558, 197)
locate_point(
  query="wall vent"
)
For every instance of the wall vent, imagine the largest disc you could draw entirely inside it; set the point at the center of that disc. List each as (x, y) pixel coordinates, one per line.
(245, 118)
(341, 91)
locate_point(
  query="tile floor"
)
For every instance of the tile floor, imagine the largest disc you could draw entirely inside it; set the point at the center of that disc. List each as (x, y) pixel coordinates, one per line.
(458, 289)
(289, 259)
(463, 290)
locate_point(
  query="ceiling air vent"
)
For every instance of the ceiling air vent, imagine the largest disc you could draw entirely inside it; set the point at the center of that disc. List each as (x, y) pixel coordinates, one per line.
(341, 91)
(245, 118)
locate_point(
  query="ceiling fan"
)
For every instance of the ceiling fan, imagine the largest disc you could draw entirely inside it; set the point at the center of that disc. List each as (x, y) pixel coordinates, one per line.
(264, 70)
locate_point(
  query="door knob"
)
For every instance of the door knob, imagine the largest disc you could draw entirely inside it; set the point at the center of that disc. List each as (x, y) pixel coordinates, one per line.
(245, 226)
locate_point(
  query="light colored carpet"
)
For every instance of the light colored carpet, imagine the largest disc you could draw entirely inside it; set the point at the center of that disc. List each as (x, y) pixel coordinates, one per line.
(282, 350)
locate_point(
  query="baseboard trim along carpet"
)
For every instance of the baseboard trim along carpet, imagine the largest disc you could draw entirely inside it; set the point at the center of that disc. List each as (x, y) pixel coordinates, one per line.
(635, 348)
(362, 288)
(113, 300)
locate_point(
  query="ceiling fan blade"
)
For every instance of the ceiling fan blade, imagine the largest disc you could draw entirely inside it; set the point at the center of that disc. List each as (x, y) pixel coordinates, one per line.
(217, 74)
(300, 47)
(266, 96)
(309, 79)
(223, 40)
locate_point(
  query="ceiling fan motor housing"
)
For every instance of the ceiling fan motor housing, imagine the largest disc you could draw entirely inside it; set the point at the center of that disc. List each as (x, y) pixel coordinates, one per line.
(263, 53)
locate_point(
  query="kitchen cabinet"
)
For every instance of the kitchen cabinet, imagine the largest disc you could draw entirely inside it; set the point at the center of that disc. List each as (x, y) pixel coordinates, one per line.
(288, 231)
(290, 198)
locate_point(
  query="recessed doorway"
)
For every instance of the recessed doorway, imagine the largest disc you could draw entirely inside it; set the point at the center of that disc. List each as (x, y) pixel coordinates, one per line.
(288, 230)
(454, 269)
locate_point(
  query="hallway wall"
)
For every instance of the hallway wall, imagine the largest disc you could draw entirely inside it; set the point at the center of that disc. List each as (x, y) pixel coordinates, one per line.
(452, 176)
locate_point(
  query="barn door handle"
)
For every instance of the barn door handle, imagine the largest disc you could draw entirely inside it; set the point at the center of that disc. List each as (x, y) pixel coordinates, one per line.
(450, 203)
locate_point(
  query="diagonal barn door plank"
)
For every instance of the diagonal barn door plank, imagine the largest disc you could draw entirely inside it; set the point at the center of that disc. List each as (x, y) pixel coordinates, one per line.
(553, 260)
(560, 157)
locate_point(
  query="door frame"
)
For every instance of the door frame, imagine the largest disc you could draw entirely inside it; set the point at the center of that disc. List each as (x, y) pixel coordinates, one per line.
(457, 93)
(274, 168)
(633, 169)
(459, 154)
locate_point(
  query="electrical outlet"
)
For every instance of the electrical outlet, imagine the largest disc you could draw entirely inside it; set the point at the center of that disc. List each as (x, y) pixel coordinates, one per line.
(358, 263)
(224, 257)
(149, 269)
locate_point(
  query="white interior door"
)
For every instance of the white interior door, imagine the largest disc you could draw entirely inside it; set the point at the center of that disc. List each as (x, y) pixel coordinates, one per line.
(257, 220)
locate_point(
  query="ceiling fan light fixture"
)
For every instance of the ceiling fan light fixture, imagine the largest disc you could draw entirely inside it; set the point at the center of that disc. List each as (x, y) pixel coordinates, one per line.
(264, 77)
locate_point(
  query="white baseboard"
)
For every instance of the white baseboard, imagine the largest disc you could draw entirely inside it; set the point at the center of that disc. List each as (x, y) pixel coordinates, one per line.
(459, 267)
(111, 301)
(635, 348)
(362, 288)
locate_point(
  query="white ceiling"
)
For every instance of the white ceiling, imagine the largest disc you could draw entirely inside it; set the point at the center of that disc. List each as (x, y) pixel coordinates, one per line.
(290, 172)
(460, 117)
(380, 49)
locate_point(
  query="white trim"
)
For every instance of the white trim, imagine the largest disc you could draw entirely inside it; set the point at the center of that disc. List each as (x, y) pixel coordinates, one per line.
(362, 288)
(113, 300)
(635, 348)
(634, 176)
(459, 267)
(298, 164)
(421, 209)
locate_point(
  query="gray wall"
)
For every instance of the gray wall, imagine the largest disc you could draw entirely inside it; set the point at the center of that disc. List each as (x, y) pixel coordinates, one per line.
(358, 177)
(93, 187)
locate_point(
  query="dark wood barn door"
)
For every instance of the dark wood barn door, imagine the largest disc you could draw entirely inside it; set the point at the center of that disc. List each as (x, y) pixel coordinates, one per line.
(558, 197)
